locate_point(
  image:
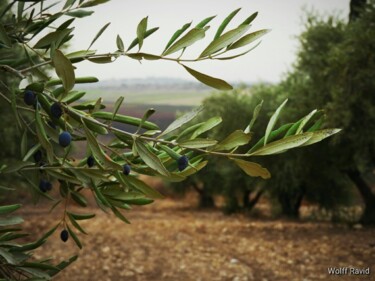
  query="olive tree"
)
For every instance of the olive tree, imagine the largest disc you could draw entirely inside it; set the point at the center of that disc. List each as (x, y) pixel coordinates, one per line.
(51, 118)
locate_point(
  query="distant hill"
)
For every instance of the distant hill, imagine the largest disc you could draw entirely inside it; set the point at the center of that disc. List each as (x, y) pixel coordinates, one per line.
(149, 90)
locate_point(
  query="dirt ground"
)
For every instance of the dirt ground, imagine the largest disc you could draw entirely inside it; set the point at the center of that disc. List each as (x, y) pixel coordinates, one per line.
(169, 240)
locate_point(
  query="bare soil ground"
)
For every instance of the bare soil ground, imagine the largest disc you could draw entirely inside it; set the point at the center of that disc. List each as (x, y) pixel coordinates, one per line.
(169, 240)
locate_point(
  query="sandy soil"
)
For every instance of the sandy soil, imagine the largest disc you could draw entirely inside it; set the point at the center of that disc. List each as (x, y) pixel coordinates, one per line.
(169, 240)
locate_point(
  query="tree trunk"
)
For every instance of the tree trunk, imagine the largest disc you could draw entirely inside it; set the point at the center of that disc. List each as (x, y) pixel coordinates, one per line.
(206, 200)
(291, 203)
(255, 200)
(355, 9)
(368, 216)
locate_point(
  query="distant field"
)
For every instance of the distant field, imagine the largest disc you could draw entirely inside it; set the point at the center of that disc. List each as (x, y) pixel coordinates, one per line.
(176, 98)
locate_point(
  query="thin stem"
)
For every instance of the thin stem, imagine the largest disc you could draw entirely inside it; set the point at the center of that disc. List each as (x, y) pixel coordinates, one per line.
(113, 55)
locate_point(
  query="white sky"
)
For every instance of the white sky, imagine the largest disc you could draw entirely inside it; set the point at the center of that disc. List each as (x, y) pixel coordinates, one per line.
(268, 62)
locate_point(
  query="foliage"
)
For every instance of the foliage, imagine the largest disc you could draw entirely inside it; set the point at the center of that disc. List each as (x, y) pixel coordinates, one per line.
(52, 119)
(334, 71)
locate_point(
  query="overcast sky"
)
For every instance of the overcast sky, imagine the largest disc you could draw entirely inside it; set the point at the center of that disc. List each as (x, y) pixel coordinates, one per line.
(268, 62)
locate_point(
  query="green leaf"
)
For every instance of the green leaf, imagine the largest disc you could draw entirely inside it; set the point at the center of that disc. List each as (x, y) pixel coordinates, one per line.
(204, 22)
(9, 209)
(235, 139)
(139, 185)
(273, 121)
(125, 119)
(197, 143)
(226, 21)
(274, 134)
(63, 265)
(79, 13)
(187, 40)
(64, 69)
(24, 143)
(42, 136)
(140, 56)
(93, 126)
(176, 35)
(224, 40)
(192, 170)
(74, 236)
(146, 115)
(317, 124)
(249, 38)
(76, 224)
(120, 215)
(73, 96)
(305, 120)
(148, 33)
(81, 216)
(53, 37)
(99, 153)
(98, 34)
(4, 38)
(188, 130)
(250, 19)
(9, 257)
(150, 158)
(10, 221)
(182, 120)
(208, 80)
(206, 126)
(92, 3)
(117, 107)
(283, 144)
(79, 198)
(321, 135)
(141, 30)
(173, 154)
(252, 169)
(293, 129)
(255, 116)
(238, 55)
(120, 43)
(77, 80)
(16, 166)
(80, 54)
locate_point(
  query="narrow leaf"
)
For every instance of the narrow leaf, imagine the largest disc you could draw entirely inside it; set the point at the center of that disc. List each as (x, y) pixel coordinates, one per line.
(176, 35)
(249, 38)
(120, 43)
(208, 80)
(187, 40)
(252, 169)
(9, 209)
(226, 21)
(273, 121)
(148, 33)
(321, 135)
(64, 69)
(204, 22)
(283, 144)
(197, 143)
(141, 30)
(98, 34)
(207, 125)
(150, 158)
(224, 40)
(235, 139)
(250, 19)
(305, 120)
(255, 117)
(182, 120)
(75, 238)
